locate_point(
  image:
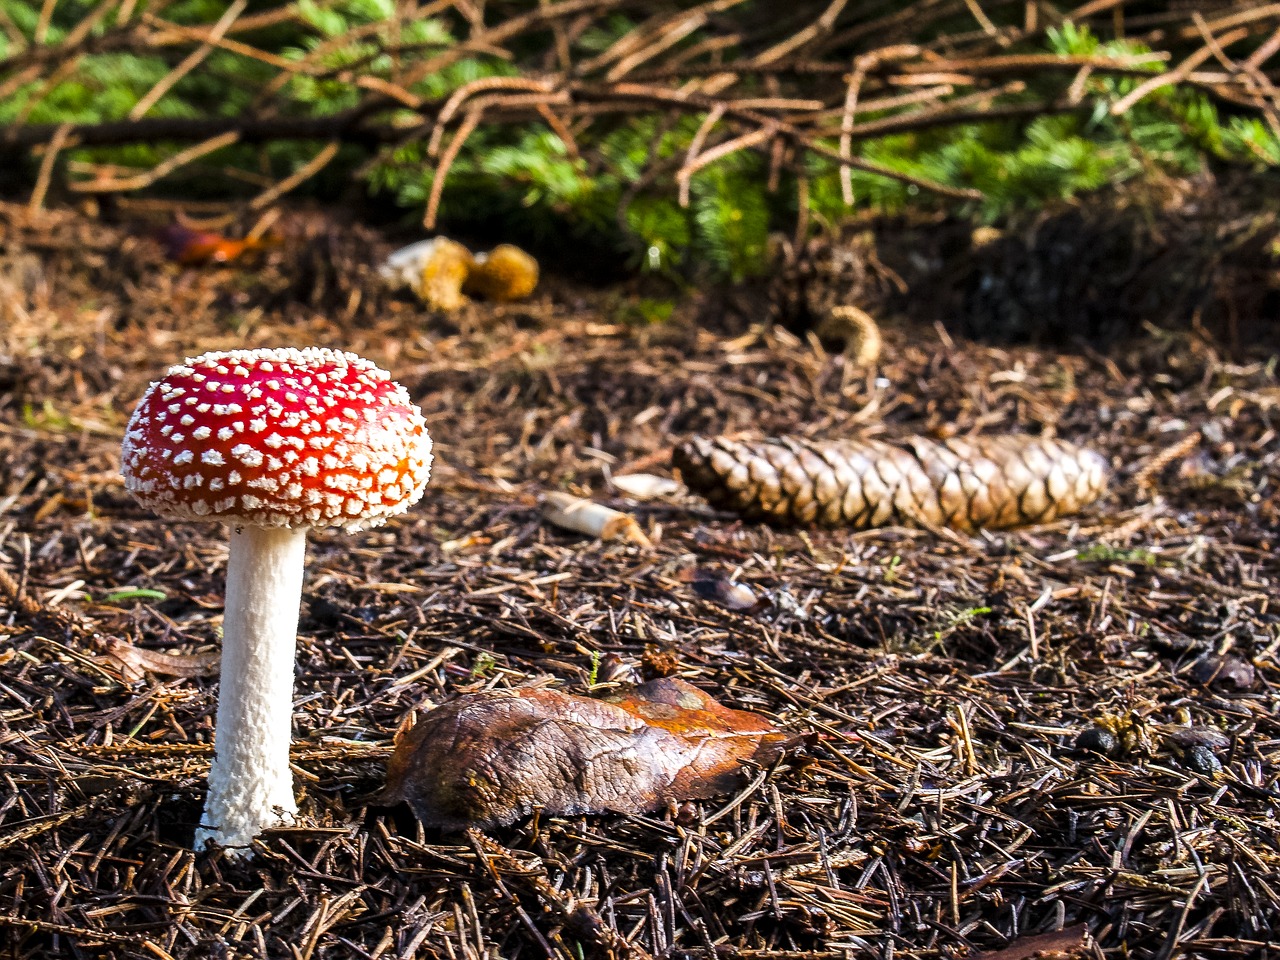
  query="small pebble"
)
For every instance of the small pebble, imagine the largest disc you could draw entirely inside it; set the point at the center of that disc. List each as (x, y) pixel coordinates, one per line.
(1200, 759)
(1099, 740)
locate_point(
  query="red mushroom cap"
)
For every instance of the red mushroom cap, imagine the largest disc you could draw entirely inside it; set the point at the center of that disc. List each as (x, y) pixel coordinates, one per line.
(277, 438)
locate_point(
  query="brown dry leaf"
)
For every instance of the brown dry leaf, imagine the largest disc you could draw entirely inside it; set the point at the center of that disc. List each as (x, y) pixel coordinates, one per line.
(494, 757)
(135, 663)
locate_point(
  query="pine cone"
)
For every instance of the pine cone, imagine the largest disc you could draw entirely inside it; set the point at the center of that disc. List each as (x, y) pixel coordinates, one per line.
(990, 482)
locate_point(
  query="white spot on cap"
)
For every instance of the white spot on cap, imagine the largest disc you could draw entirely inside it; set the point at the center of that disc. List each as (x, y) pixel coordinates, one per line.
(249, 456)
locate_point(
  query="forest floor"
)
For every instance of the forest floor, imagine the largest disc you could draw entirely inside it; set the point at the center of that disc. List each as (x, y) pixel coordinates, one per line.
(942, 806)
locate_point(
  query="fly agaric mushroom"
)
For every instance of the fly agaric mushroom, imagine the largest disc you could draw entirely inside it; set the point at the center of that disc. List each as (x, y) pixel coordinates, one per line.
(272, 442)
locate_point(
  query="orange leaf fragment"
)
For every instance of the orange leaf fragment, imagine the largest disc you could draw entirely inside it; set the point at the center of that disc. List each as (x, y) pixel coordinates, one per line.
(494, 757)
(195, 248)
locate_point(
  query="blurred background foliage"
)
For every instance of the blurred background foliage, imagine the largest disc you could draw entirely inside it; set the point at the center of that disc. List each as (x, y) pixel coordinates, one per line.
(409, 92)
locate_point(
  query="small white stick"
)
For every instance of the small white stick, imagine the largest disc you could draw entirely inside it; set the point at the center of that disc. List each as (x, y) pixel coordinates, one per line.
(586, 516)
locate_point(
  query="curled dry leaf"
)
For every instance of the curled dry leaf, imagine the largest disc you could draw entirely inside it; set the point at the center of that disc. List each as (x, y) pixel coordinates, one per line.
(134, 663)
(727, 593)
(616, 670)
(595, 519)
(855, 329)
(493, 757)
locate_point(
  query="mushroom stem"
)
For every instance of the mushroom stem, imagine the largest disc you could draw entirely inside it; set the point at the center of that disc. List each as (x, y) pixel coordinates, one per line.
(250, 786)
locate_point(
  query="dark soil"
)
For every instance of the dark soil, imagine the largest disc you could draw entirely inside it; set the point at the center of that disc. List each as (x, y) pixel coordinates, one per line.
(944, 807)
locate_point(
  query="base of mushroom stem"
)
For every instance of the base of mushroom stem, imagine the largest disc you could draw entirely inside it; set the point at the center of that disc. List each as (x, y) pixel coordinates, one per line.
(239, 846)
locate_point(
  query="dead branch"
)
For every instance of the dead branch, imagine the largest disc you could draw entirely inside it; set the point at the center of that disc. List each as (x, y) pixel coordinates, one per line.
(469, 123)
(817, 80)
(160, 170)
